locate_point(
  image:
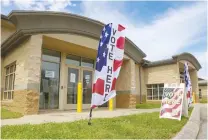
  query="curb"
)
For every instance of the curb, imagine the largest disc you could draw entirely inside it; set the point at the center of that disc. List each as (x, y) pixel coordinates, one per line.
(191, 129)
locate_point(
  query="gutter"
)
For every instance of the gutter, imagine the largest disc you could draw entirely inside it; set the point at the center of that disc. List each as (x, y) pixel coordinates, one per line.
(140, 85)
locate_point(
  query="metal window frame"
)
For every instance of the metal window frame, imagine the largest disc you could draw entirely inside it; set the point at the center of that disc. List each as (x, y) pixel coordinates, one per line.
(7, 82)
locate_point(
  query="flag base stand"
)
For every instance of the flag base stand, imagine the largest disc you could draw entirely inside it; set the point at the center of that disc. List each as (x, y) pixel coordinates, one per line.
(90, 116)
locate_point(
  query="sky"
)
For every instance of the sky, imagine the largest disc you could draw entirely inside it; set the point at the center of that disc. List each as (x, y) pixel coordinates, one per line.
(161, 29)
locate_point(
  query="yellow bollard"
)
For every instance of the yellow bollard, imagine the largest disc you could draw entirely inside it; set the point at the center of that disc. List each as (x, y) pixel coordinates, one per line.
(79, 97)
(194, 98)
(110, 104)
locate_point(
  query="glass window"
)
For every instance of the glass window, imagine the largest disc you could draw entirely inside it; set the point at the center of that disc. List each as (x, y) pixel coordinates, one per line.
(154, 91)
(200, 95)
(160, 93)
(49, 88)
(51, 56)
(149, 94)
(87, 62)
(9, 82)
(73, 60)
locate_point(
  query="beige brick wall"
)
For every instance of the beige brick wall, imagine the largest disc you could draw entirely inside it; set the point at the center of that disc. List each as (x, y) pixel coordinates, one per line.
(204, 91)
(126, 85)
(123, 82)
(25, 102)
(6, 32)
(194, 83)
(162, 74)
(28, 69)
(28, 61)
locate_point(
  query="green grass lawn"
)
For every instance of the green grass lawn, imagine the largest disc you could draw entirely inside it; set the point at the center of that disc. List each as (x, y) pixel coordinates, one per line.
(203, 100)
(6, 114)
(141, 126)
(148, 105)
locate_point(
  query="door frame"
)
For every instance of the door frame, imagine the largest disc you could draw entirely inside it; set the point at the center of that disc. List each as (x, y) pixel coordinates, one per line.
(80, 79)
(86, 106)
(70, 106)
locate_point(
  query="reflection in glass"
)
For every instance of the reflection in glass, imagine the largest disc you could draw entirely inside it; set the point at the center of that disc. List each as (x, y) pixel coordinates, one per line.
(50, 55)
(87, 62)
(73, 60)
(73, 78)
(87, 86)
(49, 89)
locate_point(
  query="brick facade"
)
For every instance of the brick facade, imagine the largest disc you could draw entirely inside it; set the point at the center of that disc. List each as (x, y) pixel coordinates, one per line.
(27, 75)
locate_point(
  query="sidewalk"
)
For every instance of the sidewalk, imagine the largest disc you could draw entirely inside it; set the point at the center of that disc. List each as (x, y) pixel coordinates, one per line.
(68, 116)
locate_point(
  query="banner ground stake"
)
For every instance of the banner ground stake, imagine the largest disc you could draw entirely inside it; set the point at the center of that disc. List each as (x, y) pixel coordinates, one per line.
(90, 116)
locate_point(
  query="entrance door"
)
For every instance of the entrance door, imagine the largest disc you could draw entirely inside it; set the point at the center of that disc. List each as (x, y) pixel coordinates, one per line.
(87, 76)
(73, 77)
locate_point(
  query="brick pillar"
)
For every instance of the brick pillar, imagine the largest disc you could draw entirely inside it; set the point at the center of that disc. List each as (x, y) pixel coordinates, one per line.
(194, 83)
(126, 86)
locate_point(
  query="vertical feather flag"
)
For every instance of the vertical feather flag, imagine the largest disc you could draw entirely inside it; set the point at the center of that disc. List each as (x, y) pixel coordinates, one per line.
(108, 64)
(187, 84)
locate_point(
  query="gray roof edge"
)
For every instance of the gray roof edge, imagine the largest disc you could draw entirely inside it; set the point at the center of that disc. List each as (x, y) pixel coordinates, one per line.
(189, 54)
(16, 12)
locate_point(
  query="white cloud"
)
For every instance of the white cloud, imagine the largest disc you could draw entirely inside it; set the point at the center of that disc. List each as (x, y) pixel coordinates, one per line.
(165, 36)
(42, 5)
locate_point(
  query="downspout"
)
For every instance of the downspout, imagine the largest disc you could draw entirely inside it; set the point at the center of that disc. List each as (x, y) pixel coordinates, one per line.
(140, 85)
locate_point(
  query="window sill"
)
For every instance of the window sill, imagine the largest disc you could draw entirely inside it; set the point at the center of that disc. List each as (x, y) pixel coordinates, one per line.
(6, 101)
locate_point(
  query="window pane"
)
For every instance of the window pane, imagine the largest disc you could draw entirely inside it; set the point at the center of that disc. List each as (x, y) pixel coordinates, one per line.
(2, 96)
(13, 81)
(149, 86)
(154, 86)
(87, 62)
(11, 68)
(50, 55)
(161, 85)
(12, 94)
(155, 94)
(10, 82)
(73, 60)
(7, 70)
(6, 82)
(160, 93)
(9, 95)
(149, 92)
(5, 95)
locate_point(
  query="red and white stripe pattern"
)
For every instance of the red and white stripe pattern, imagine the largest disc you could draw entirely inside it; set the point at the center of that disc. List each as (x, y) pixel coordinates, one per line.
(172, 107)
(99, 94)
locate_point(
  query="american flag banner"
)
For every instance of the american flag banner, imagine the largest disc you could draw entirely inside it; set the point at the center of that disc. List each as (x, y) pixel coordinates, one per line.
(172, 102)
(108, 63)
(188, 87)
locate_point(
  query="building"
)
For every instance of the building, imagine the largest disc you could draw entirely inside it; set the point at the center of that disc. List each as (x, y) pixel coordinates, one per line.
(203, 89)
(45, 54)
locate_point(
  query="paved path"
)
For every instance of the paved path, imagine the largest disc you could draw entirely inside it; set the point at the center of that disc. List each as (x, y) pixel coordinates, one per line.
(203, 127)
(67, 116)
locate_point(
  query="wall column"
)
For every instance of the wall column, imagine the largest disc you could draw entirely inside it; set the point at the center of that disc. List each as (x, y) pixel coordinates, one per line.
(62, 88)
(194, 83)
(126, 86)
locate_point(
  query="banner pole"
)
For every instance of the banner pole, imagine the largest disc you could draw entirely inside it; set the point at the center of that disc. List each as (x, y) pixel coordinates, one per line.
(90, 116)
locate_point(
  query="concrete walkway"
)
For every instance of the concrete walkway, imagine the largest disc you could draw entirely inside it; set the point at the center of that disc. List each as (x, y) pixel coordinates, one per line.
(68, 116)
(203, 126)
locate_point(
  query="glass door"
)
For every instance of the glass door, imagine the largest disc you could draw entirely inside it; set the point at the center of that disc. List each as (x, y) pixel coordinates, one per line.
(73, 76)
(87, 76)
(49, 87)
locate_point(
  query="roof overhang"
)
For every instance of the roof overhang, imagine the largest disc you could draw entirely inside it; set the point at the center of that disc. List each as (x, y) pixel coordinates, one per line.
(176, 58)
(202, 83)
(42, 22)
